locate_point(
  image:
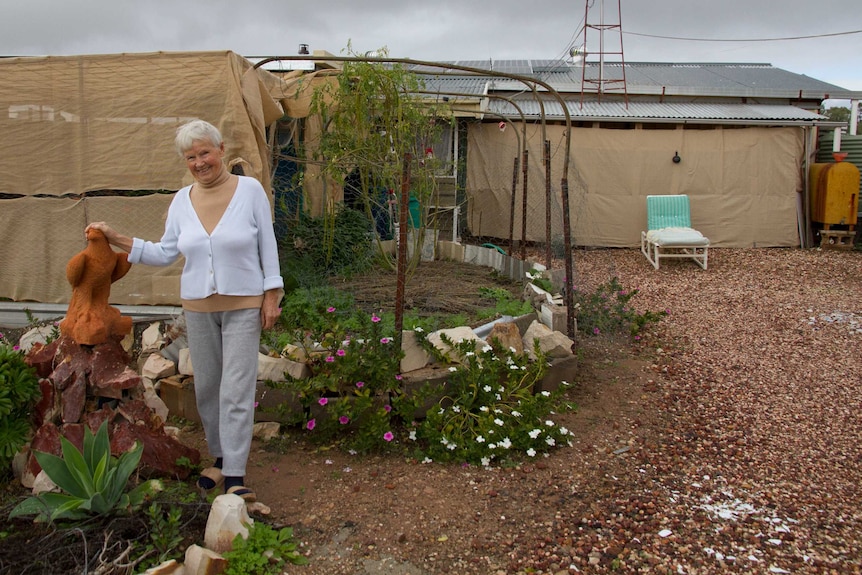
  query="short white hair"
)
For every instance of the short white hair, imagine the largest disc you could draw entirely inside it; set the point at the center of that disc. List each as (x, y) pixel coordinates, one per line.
(188, 133)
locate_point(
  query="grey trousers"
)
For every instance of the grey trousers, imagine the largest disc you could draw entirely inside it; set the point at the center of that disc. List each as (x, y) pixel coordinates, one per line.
(223, 347)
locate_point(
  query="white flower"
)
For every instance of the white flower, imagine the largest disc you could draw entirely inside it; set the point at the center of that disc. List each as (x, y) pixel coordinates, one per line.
(483, 408)
(442, 411)
(564, 431)
(523, 368)
(453, 369)
(516, 413)
(506, 443)
(492, 446)
(499, 398)
(498, 410)
(480, 439)
(546, 393)
(550, 441)
(418, 329)
(486, 349)
(499, 422)
(535, 433)
(487, 389)
(549, 423)
(514, 367)
(564, 383)
(456, 408)
(512, 349)
(412, 435)
(531, 452)
(427, 460)
(451, 447)
(469, 354)
(444, 441)
(486, 461)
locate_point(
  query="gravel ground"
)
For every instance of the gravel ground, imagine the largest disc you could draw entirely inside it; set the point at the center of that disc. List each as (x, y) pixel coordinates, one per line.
(758, 465)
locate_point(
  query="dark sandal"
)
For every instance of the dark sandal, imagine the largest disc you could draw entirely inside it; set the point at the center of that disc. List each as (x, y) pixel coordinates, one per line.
(247, 494)
(210, 478)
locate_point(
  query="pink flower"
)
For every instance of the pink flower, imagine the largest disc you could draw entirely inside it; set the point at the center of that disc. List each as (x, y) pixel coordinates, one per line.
(398, 376)
(360, 384)
(385, 339)
(596, 331)
(340, 353)
(374, 318)
(387, 408)
(329, 359)
(322, 401)
(310, 425)
(343, 420)
(388, 436)
(256, 403)
(637, 338)
(330, 309)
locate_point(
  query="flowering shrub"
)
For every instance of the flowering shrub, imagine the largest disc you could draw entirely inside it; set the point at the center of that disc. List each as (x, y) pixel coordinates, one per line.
(355, 382)
(608, 310)
(489, 413)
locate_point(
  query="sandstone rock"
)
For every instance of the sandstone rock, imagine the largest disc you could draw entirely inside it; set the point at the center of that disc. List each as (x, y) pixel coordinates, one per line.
(274, 368)
(169, 567)
(43, 484)
(39, 334)
(414, 356)
(228, 517)
(157, 367)
(202, 561)
(266, 430)
(185, 362)
(455, 335)
(552, 343)
(152, 339)
(506, 336)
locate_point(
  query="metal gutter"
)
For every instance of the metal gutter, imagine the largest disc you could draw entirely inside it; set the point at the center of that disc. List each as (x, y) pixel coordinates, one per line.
(19, 314)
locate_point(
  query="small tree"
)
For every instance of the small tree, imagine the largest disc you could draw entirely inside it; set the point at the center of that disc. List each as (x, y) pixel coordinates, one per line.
(840, 114)
(372, 119)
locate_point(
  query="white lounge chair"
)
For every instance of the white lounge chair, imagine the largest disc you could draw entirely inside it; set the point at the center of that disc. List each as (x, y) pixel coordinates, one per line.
(669, 233)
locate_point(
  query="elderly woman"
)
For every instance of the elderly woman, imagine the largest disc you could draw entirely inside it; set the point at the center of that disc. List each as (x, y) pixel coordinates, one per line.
(230, 289)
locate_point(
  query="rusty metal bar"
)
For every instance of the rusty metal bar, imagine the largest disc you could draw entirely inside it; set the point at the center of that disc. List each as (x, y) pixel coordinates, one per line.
(524, 206)
(401, 271)
(547, 160)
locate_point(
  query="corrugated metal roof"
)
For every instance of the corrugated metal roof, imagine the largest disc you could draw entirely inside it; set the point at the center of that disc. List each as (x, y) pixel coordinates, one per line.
(664, 112)
(650, 78)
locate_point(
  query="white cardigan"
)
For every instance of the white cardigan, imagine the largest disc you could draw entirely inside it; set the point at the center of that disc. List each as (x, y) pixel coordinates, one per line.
(240, 257)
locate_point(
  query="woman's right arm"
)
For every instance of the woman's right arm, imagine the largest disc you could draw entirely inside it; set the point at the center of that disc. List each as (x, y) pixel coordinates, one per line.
(114, 237)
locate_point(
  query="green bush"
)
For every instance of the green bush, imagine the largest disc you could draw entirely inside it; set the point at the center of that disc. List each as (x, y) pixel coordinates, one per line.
(264, 552)
(608, 310)
(308, 257)
(19, 391)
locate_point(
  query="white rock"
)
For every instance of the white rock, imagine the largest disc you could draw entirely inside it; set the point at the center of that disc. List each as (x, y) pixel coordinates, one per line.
(228, 517)
(156, 403)
(157, 367)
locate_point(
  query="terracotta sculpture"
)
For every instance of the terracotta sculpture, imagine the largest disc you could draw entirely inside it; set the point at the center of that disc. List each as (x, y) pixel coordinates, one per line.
(90, 320)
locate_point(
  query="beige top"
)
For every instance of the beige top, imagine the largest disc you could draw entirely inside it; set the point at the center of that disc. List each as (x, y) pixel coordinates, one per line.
(210, 202)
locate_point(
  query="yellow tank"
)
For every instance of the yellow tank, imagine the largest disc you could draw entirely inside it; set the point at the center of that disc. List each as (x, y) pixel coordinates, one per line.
(834, 193)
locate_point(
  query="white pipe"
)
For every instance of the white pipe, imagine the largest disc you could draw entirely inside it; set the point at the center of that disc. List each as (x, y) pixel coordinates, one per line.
(836, 140)
(854, 116)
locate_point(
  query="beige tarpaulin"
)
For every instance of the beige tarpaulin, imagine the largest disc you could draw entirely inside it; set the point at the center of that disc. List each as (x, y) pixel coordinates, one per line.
(77, 130)
(744, 183)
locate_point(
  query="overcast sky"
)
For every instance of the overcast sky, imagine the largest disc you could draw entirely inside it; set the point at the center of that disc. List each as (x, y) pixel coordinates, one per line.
(448, 30)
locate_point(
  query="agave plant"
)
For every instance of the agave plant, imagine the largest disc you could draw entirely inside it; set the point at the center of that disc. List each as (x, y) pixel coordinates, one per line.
(92, 483)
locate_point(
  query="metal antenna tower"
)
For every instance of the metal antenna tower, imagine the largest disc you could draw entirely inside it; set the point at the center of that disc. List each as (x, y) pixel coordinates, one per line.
(600, 80)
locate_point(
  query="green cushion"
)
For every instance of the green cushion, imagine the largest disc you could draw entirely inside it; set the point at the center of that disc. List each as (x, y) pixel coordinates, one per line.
(668, 212)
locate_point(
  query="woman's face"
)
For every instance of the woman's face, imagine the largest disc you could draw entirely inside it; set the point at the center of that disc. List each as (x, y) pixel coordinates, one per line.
(205, 161)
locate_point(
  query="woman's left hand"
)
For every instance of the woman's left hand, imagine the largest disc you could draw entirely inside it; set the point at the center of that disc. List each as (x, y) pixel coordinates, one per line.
(270, 311)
